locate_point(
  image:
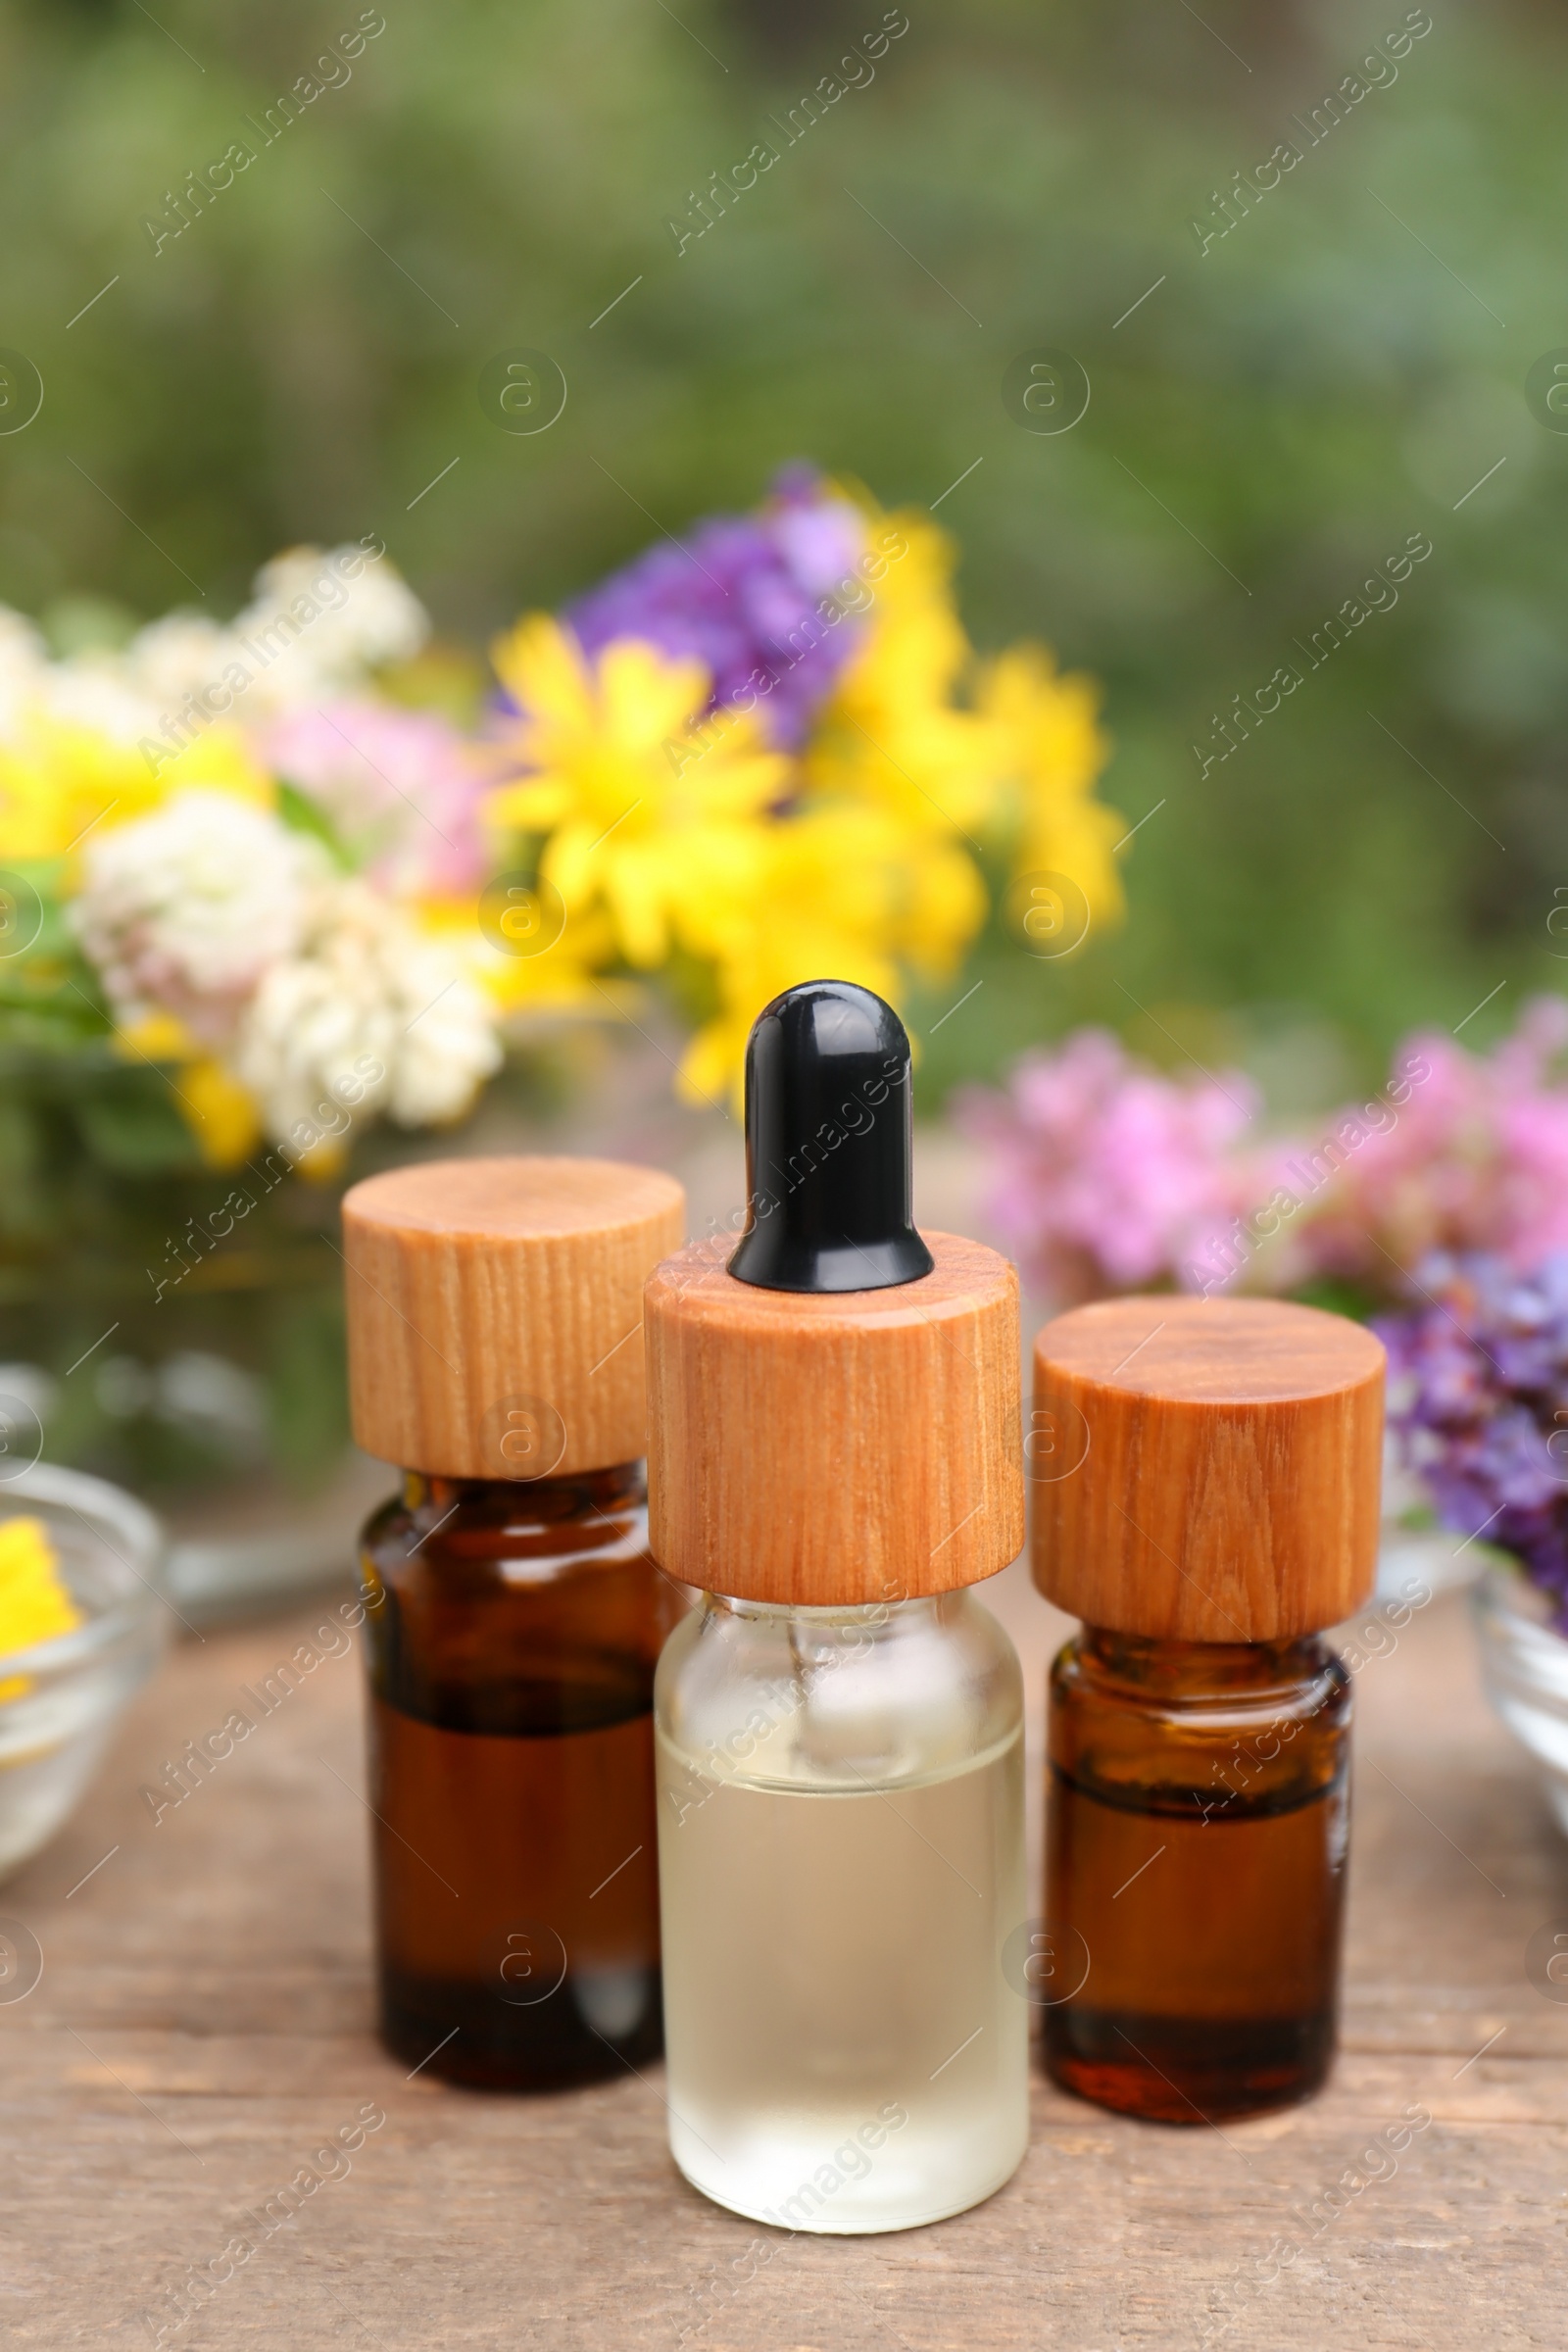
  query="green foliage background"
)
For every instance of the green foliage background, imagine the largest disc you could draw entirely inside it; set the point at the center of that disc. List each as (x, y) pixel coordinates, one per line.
(1277, 415)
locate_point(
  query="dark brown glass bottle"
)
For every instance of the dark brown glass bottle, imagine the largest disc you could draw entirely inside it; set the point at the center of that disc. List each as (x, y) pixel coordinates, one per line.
(513, 1616)
(514, 1629)
(1207, 1503)
(1195, 1872)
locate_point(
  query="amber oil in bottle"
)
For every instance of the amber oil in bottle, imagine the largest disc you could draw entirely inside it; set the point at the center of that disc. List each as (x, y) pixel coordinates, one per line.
(514, 1629)
(1196, 1833)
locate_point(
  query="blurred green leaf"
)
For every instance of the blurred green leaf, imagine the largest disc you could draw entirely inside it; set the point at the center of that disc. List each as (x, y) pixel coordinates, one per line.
(299, 811)
(130, 1121)
(307, 1381)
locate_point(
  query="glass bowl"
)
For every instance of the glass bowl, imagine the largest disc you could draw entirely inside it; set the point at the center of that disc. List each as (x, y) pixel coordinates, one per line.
(1524, 1663)
(59, 1699)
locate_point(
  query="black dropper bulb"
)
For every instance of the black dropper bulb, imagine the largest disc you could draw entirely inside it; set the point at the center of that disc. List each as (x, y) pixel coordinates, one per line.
(829, 1144)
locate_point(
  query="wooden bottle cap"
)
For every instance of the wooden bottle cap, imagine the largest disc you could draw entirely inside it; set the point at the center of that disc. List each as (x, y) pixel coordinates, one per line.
(1206, 1470)
(824, 1448)
(493, 1312)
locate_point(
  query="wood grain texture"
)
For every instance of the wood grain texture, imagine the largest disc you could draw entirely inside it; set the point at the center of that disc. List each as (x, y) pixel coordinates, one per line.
(824, 1448)
(204, 2022)
(1205, 1469)
(494, 1308)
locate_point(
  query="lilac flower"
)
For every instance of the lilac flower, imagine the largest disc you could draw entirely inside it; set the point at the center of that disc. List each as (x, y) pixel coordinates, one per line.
(1477, 1159)
(744, 594)
(1107, 1176)
(1478, 1401)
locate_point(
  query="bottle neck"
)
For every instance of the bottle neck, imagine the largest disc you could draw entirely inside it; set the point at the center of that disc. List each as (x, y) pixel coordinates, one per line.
(528, 1501)
(894, 1691)
(849, 1621)
(1194, 1671)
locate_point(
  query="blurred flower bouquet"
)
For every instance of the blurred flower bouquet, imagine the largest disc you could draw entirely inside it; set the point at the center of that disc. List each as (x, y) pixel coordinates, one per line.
(769, 752)
(235, 930)
(1108, 1175)
(263, 902)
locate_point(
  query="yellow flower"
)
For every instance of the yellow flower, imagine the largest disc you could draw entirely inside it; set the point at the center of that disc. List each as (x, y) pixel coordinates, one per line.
(892, 732)
(35, 1603)
(921, 651)
(1019, 767)
(218, 1112)
(942, 904)
(221, 1116)
(323, 1161)
(647, 807)
(556, 978)
(837, 892)
(59, 781)
(1049, 752)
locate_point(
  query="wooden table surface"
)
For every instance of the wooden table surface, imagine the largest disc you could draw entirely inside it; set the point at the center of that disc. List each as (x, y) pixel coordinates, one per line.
(203, 2024)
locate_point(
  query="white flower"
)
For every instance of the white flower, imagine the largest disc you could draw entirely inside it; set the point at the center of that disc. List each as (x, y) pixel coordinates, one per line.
(313, 631)
(93, 691)
(182, 654)
(370, 1015)
(183, 910)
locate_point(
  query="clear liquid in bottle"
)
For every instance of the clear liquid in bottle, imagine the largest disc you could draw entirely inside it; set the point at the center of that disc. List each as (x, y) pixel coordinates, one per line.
(841, 1858)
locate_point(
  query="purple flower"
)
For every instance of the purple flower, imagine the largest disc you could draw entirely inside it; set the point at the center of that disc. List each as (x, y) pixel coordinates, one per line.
(1478, 1402)
(752, 597)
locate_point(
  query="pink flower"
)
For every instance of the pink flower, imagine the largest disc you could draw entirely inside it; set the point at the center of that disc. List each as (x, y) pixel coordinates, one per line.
(401, 789)
(1108, 1176)
(1475, 1158)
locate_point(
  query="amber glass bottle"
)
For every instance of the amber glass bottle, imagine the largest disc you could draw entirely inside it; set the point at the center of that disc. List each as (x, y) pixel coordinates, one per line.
(513, 1621)
(1196, 1850)
(513, 1626)
(1221, 1509)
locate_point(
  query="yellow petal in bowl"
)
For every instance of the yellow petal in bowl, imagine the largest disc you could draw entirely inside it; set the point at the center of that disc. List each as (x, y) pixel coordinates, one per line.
(34, 1601)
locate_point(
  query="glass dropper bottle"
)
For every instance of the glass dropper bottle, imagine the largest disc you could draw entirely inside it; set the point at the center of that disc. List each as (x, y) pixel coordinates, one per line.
(833, 1458)
(514, 1617)
(1213, 1508)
